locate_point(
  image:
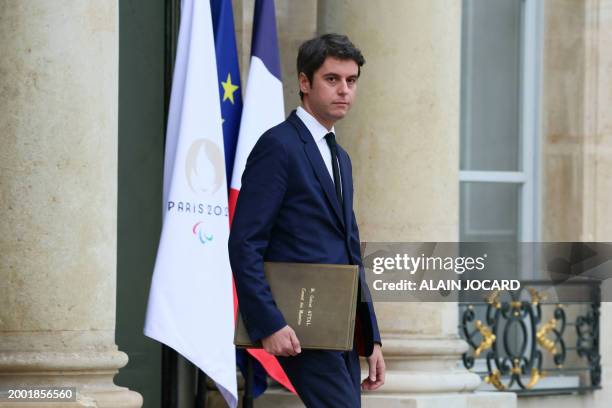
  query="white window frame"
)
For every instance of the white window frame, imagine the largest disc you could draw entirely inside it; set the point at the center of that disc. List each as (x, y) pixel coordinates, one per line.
(532, 27)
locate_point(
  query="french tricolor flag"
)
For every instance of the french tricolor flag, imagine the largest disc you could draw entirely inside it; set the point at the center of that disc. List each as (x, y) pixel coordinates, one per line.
(263, 108)
(263, 105)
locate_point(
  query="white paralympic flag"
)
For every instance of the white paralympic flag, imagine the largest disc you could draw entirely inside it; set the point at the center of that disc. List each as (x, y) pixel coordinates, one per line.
(191, 298)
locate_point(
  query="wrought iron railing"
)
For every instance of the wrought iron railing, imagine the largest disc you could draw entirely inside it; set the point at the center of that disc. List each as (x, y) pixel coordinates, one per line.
(517, 340)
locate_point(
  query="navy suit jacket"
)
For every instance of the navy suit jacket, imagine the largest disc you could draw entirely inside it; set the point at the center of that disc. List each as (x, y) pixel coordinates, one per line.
(287, 211)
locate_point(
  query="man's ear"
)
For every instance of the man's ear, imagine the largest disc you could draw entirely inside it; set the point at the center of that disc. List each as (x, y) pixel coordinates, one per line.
(304, 83)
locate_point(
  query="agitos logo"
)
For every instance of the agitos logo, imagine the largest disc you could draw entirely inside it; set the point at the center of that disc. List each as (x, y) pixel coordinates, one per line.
(198, 231)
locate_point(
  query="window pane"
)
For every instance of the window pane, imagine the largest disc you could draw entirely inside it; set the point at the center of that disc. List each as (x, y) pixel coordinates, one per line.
(490, 92)
(489, 212)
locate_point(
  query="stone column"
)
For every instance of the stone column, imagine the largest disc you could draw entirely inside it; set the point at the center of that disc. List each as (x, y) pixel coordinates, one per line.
(403, 138)
(577, 149)
(58, 197)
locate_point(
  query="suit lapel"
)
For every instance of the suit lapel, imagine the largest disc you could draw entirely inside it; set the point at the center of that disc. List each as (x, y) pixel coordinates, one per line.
(347, 182)
(316, 161)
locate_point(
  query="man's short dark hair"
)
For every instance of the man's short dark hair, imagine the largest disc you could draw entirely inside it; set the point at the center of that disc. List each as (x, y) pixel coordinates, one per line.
(313, 52)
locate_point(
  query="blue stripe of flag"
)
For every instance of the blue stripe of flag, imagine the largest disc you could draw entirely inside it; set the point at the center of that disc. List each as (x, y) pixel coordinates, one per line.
(265, 42)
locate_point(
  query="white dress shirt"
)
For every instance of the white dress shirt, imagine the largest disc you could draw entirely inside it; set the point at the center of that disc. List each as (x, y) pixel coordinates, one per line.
(318, 132)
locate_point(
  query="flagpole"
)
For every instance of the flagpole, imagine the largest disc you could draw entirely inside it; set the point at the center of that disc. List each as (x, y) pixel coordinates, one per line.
(169, 380)
(201, 390)
(247, 400)
(172, 16)
(169, 377)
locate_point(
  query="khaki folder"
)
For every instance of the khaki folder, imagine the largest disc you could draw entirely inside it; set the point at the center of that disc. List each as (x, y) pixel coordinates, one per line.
(317, 300)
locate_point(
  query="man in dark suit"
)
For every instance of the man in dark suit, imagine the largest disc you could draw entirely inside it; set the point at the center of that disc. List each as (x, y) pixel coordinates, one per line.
(296, 205)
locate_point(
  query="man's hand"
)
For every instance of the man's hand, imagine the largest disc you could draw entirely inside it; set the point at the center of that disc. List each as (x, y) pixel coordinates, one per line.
(376, 376)
(282, 343)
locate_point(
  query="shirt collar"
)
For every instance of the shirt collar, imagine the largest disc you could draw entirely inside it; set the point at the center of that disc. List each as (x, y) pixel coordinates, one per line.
(317, 130)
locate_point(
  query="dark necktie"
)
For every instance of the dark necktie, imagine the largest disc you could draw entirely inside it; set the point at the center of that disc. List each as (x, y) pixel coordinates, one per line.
(330, 138)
